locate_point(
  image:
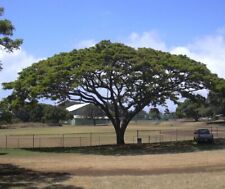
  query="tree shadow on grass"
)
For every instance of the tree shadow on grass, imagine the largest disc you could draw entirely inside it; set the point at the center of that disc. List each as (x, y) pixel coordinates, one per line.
(13, 176)
(138, 149)
(2, 154)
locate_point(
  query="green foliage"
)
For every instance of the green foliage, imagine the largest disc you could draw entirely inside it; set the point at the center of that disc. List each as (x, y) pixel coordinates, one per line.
(154, 114)
(34, 112)
(54, 114)
(216, 101)
(117, 78)
(192, 108)
(142, 115)
(167, 115)
(5, 117)
(6, 31)
(5, 114)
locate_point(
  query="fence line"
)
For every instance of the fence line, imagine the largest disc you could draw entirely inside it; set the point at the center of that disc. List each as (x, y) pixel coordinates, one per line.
(101, 138)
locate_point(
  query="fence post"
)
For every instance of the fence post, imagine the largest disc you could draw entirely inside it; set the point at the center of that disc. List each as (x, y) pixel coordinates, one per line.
(6, 141)
(137, 134)
(33, 141)
(176, 135)
(63, 140)
(80, 141)
(149, 139)
(18, 142)
(90, 139)
(160, 136)
(39, 142)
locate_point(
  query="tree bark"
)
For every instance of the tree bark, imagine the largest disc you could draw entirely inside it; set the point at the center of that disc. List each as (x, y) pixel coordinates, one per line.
(120, 131)
(120, 136)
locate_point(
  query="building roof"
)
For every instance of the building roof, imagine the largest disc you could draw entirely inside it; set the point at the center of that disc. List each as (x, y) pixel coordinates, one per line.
(76, 107)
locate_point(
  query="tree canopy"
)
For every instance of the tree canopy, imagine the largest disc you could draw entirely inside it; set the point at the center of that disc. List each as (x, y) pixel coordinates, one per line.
(6, 32)
(117, 78)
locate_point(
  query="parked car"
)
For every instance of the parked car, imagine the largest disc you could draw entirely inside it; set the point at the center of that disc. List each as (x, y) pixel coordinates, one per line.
(203, 135)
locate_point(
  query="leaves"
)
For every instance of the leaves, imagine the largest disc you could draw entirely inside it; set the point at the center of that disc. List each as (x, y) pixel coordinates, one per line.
(6, 31)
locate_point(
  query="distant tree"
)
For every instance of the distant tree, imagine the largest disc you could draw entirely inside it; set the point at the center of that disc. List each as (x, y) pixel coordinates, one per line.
(216, 101)
(6, 31)
(5, 114)
(154, 114)
(191, 108)
(36, 112)
(166, 114)
(166, 111)
(113, 74)
(53, 114)
(141, 115)
(5, 117)
(22, 114)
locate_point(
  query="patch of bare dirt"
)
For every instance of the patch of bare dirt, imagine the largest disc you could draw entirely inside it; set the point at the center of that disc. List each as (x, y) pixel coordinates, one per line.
(99, 165)
(143, 172)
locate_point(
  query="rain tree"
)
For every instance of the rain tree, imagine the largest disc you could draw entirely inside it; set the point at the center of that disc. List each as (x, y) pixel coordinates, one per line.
(117, 78)
(6, 32)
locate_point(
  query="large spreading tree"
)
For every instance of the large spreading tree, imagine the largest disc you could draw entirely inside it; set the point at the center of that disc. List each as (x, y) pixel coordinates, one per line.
(117, 78)
(6, 32)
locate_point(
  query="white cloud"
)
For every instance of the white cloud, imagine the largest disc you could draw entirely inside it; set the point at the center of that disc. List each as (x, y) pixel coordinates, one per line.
(86, 43)
(209, 50)
(13, 63)
(147, 39)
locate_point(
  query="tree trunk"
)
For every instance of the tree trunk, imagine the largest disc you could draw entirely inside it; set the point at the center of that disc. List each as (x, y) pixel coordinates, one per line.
(120, 131)
(120, 136)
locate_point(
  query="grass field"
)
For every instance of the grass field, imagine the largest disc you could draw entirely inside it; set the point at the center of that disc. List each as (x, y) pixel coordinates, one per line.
(39, 136)
(86, 168)
(30, 128)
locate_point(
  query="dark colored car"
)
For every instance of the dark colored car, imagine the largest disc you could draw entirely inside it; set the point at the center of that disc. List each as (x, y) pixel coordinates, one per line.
(203, 136)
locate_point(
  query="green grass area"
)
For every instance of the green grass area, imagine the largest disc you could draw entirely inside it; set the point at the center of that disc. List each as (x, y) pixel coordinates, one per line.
(55, 130)
(29, 129)
(19, 152)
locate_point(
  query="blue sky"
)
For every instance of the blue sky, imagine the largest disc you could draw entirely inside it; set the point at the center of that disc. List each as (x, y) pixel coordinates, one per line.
(193, 27)
(51, 26)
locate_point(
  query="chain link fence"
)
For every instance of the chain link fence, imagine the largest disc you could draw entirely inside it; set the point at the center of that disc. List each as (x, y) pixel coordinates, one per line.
(103, 138)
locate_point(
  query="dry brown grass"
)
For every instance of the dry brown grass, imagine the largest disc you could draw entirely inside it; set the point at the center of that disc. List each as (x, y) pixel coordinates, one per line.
(185, 170)
(73, 162)
(171, 181)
